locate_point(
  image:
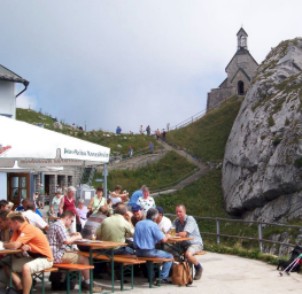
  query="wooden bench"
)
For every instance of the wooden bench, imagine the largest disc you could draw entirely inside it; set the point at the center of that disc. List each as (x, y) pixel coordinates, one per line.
(73, 267)
(123, 260)
(150, 266)
(202, 252)
(41, 275)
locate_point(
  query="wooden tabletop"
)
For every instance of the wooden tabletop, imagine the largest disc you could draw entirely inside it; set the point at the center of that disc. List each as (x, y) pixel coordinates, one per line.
(99, 244)
(10, 251)
(176, 239)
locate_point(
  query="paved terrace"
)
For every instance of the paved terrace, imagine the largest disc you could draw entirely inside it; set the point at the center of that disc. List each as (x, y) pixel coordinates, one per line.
(223, 274)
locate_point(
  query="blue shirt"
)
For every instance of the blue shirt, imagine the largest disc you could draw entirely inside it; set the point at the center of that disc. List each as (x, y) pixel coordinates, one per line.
(147, 234)
(135, 196)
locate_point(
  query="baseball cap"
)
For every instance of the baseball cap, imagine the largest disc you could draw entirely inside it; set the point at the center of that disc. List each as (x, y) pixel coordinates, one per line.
(136, 207)
(160, 210)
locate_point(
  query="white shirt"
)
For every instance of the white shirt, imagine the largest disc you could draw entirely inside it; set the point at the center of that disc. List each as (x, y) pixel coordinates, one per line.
(165, 225)
(35, 219)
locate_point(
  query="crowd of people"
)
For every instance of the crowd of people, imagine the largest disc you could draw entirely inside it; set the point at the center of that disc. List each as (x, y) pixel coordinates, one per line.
(134, 220)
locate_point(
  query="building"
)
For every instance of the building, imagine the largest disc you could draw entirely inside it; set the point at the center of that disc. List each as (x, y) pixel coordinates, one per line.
(7, 91)
(19, 182)
(240, 72)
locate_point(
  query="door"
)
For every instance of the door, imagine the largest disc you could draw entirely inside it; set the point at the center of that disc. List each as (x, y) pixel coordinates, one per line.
(18, 185)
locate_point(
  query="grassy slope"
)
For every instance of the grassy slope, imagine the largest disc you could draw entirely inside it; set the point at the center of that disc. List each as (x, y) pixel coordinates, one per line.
(206, 138)
(167, 172)
(119, 144)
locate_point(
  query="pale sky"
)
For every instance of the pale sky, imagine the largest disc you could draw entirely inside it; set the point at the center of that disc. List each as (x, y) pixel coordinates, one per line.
(133, 62)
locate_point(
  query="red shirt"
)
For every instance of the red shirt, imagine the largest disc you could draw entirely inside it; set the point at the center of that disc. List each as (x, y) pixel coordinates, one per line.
(69, 204)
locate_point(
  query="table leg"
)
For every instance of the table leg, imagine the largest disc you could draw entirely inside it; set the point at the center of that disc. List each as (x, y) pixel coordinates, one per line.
(91, 271)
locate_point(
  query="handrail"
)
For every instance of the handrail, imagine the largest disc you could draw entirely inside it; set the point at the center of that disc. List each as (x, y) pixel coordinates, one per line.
(189, 120)
(261, 227)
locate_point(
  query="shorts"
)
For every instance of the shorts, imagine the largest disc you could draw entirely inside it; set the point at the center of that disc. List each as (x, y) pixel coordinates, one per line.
(194, 248)
(35, 264)
(70, 257)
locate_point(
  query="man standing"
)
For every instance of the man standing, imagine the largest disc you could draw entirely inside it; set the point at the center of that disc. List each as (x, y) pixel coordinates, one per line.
(34, 242)
(116, 228)
(146, 236)
(136, 194)
(186, 226)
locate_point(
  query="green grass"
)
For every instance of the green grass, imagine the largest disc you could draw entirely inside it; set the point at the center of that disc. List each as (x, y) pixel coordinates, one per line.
(166, 173)
(119, 144)
(206, 138)
(34, 117)
(202, 198)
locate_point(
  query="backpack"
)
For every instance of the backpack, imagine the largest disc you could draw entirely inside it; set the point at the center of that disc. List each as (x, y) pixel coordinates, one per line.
(59, 281)
(282, 265)
(181, 274)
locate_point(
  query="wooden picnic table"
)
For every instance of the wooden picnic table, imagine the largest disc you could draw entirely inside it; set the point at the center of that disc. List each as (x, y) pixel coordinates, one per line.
(10, 252)
(95, 245)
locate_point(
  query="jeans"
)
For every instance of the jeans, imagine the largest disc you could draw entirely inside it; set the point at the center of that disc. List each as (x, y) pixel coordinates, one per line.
(119, 251)
(157, 253)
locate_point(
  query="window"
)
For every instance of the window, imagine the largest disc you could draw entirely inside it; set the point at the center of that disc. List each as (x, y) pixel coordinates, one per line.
(18, 187)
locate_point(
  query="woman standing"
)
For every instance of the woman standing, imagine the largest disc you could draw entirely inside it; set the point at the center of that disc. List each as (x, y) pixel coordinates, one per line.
(96, 202)
(68, 203)
(54, 208)
(146, 201)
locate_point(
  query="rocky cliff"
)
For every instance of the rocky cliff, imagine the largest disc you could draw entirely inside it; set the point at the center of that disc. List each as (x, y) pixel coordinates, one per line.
(262, 169)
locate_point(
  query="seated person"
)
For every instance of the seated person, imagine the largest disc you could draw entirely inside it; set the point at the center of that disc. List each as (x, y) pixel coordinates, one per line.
(33, 241)
(118, 196)
(186, 226)
(93, 222)
(5, 231)
(82, 213)
(162, 221)
(146, 236)
(59, 239)
(137, 214)
(4, 205)
(33, 218)
(117, 228)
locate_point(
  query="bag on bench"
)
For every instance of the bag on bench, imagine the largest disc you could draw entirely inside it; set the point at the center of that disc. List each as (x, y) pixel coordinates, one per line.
(181, 274)
(58, 281)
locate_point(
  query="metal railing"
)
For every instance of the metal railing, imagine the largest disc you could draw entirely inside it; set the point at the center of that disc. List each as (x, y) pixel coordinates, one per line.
(261, 227)
(189, 120)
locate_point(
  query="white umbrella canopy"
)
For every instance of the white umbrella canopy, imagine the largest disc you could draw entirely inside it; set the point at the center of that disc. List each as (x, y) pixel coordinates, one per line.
(30, 145)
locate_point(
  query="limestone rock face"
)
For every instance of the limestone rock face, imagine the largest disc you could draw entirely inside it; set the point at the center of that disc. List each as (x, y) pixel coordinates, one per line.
(262, 168)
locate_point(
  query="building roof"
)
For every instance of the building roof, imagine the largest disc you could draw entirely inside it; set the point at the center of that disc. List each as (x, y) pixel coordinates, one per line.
(241, 51)
(242, 31)
(8, 75)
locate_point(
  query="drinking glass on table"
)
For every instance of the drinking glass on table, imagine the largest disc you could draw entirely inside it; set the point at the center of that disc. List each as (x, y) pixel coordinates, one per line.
(173, 231)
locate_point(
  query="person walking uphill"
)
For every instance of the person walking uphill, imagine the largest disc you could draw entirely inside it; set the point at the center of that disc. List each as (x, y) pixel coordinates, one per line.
(186, 226)
(147, 234)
